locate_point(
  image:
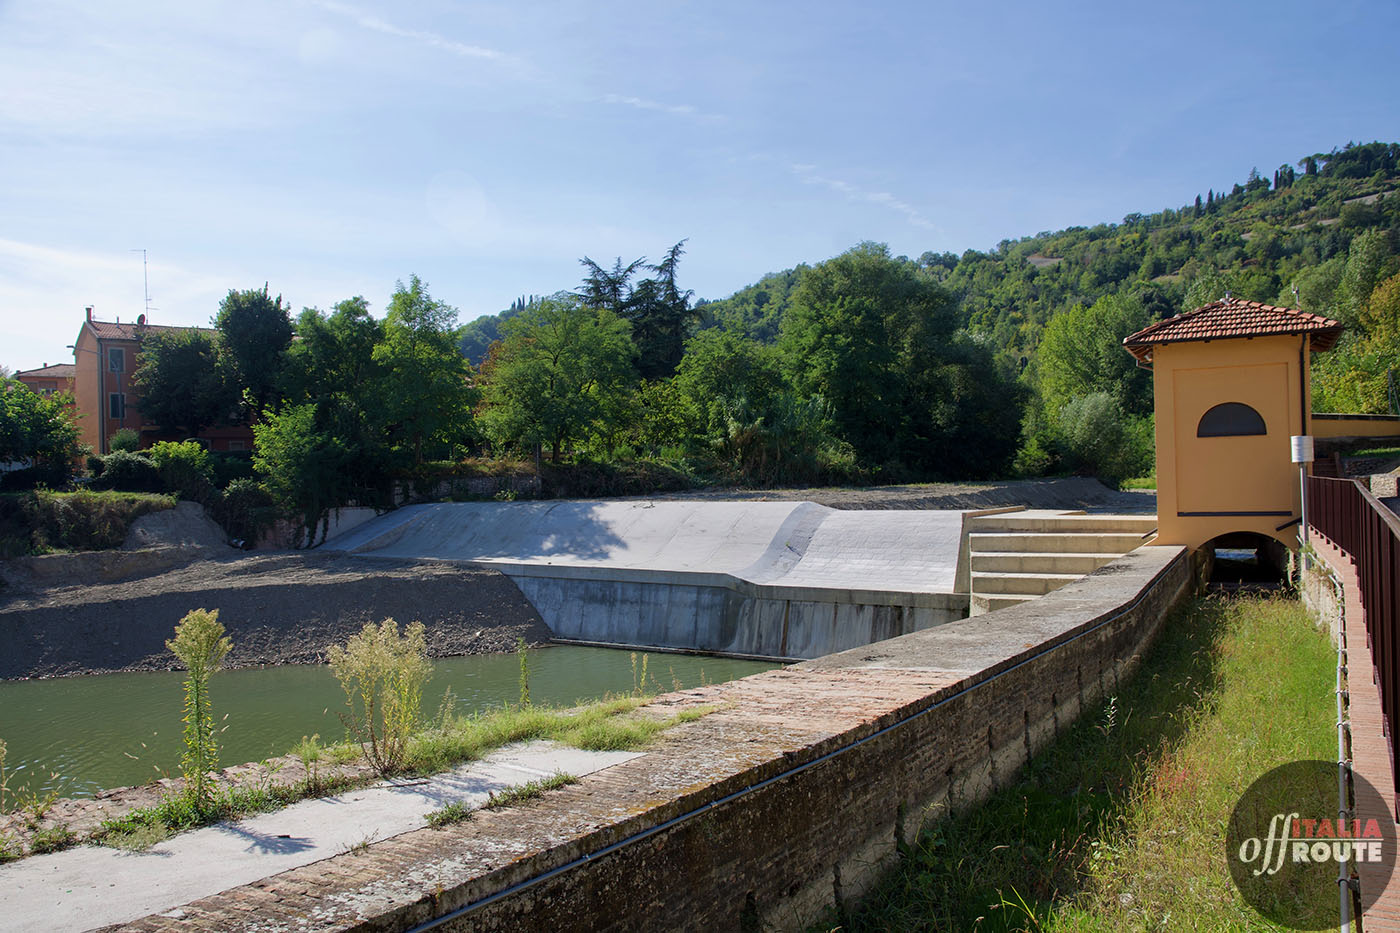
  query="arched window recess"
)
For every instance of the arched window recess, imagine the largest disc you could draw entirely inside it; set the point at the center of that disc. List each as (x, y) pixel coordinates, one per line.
(1231, 419)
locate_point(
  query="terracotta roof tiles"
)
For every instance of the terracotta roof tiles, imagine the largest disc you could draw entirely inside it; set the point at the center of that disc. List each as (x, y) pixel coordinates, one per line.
(107, 330)
(1234, 317)
(53, 371)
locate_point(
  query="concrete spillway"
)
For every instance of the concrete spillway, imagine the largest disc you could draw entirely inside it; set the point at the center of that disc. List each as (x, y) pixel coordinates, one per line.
(767, 579)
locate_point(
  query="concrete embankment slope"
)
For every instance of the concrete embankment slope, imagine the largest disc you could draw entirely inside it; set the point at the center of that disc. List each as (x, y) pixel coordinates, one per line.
(778, 580)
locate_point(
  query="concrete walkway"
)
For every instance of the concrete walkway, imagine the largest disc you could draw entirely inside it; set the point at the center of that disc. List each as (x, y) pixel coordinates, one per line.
(90, 886)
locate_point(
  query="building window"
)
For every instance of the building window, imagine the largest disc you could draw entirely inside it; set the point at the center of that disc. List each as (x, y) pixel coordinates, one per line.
(236, 445)
(116, 360)
(116, 406)
(1231, 419)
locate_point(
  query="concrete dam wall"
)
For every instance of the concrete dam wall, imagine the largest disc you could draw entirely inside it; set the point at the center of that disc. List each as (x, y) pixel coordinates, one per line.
(779, 580)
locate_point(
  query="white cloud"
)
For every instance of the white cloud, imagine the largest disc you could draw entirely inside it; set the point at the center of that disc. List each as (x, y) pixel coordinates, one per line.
(431, 39)
(808, 175)
(642, 103)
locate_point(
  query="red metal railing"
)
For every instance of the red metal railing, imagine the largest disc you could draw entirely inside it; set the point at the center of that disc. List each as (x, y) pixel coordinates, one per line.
(1345, 512)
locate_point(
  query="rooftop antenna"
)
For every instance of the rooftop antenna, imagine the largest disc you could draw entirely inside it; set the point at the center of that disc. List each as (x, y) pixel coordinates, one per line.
(145, 278)
(1296, 300)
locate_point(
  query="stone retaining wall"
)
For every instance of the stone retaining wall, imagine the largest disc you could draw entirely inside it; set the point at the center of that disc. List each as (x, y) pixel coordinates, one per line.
(791, 795)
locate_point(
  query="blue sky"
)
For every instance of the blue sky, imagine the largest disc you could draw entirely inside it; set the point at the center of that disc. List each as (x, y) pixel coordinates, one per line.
(330, 148)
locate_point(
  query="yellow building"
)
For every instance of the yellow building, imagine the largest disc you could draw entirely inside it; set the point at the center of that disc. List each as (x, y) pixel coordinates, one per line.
(1231, 386)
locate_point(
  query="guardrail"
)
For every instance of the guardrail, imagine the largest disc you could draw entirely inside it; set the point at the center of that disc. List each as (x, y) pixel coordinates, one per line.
(1345, 512)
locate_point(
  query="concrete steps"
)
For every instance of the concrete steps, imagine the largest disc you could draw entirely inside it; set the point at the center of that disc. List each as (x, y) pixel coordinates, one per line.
(1072, 523)
(1066, 542)
(1038, 562)
(1027, 584)
(984, 604)
(1017, 556)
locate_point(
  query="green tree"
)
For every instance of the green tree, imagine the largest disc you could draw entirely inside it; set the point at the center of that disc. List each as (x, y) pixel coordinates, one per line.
(657, 308)
(1370, 259)
(185, 381)
(1316, 287)
(333, 353)
(332, 365)
(1098, 438)
(256, 329)
(722, 371)
(842, 338)
(661, 316)
(609, 289)
(424, 390)
(877, 338)
(1081, 352)
(561, 371)
(37, 430)
(304, 466)
(1355, 375)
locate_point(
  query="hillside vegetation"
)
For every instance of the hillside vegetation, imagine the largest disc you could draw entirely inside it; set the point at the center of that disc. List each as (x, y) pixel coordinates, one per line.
(1024, 338)
(862, 368)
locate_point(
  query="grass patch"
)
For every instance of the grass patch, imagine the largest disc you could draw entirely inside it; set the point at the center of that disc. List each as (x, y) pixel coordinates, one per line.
(41, 521)
(456, 812)
(1140, 482)
(452, 740)
(52, 839)
(599, 726)
(515, 796)
(144, 827)
(1118, 825)
(1376, 452)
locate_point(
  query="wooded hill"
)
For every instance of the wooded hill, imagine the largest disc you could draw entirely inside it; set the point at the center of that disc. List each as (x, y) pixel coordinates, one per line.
(1257, 239)
(872, 366)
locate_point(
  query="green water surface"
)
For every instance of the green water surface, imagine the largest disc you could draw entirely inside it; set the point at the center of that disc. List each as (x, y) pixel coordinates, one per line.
(77, 735)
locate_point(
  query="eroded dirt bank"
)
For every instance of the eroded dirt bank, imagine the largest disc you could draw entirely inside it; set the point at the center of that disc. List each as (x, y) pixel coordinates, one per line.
(278, 608)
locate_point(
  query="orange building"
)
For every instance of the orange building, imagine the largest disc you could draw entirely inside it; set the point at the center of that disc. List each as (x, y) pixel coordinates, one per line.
(106, 356)
(1231, 386)
(48, 380)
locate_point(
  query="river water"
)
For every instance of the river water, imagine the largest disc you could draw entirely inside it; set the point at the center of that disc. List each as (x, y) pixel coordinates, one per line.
(76, 735)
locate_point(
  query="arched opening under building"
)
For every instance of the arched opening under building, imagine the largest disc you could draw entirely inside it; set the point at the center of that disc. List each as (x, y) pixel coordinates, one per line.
(1246, 561)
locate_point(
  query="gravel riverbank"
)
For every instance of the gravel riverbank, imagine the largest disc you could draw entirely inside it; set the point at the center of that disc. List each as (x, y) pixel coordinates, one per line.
(281, 608)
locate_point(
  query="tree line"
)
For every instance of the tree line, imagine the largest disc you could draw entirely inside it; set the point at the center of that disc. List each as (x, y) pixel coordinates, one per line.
(865, 367)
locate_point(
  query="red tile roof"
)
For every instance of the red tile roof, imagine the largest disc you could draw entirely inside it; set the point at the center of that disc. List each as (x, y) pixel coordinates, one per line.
(56, 371)
(1234, 317)
(107, 330)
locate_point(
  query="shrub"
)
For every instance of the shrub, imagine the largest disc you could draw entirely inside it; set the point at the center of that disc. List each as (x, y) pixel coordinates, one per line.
(128, 472)
(125, 440)
(185, 468)
(45, 475)
(1033, 459)
(383, 674)
(1097, 438)
(232, 466)
(201, 644)
(244, 509)
(80, 521)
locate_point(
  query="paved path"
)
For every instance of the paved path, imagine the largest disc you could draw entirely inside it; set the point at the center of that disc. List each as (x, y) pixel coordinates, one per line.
(91, 886)
(779, 543)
